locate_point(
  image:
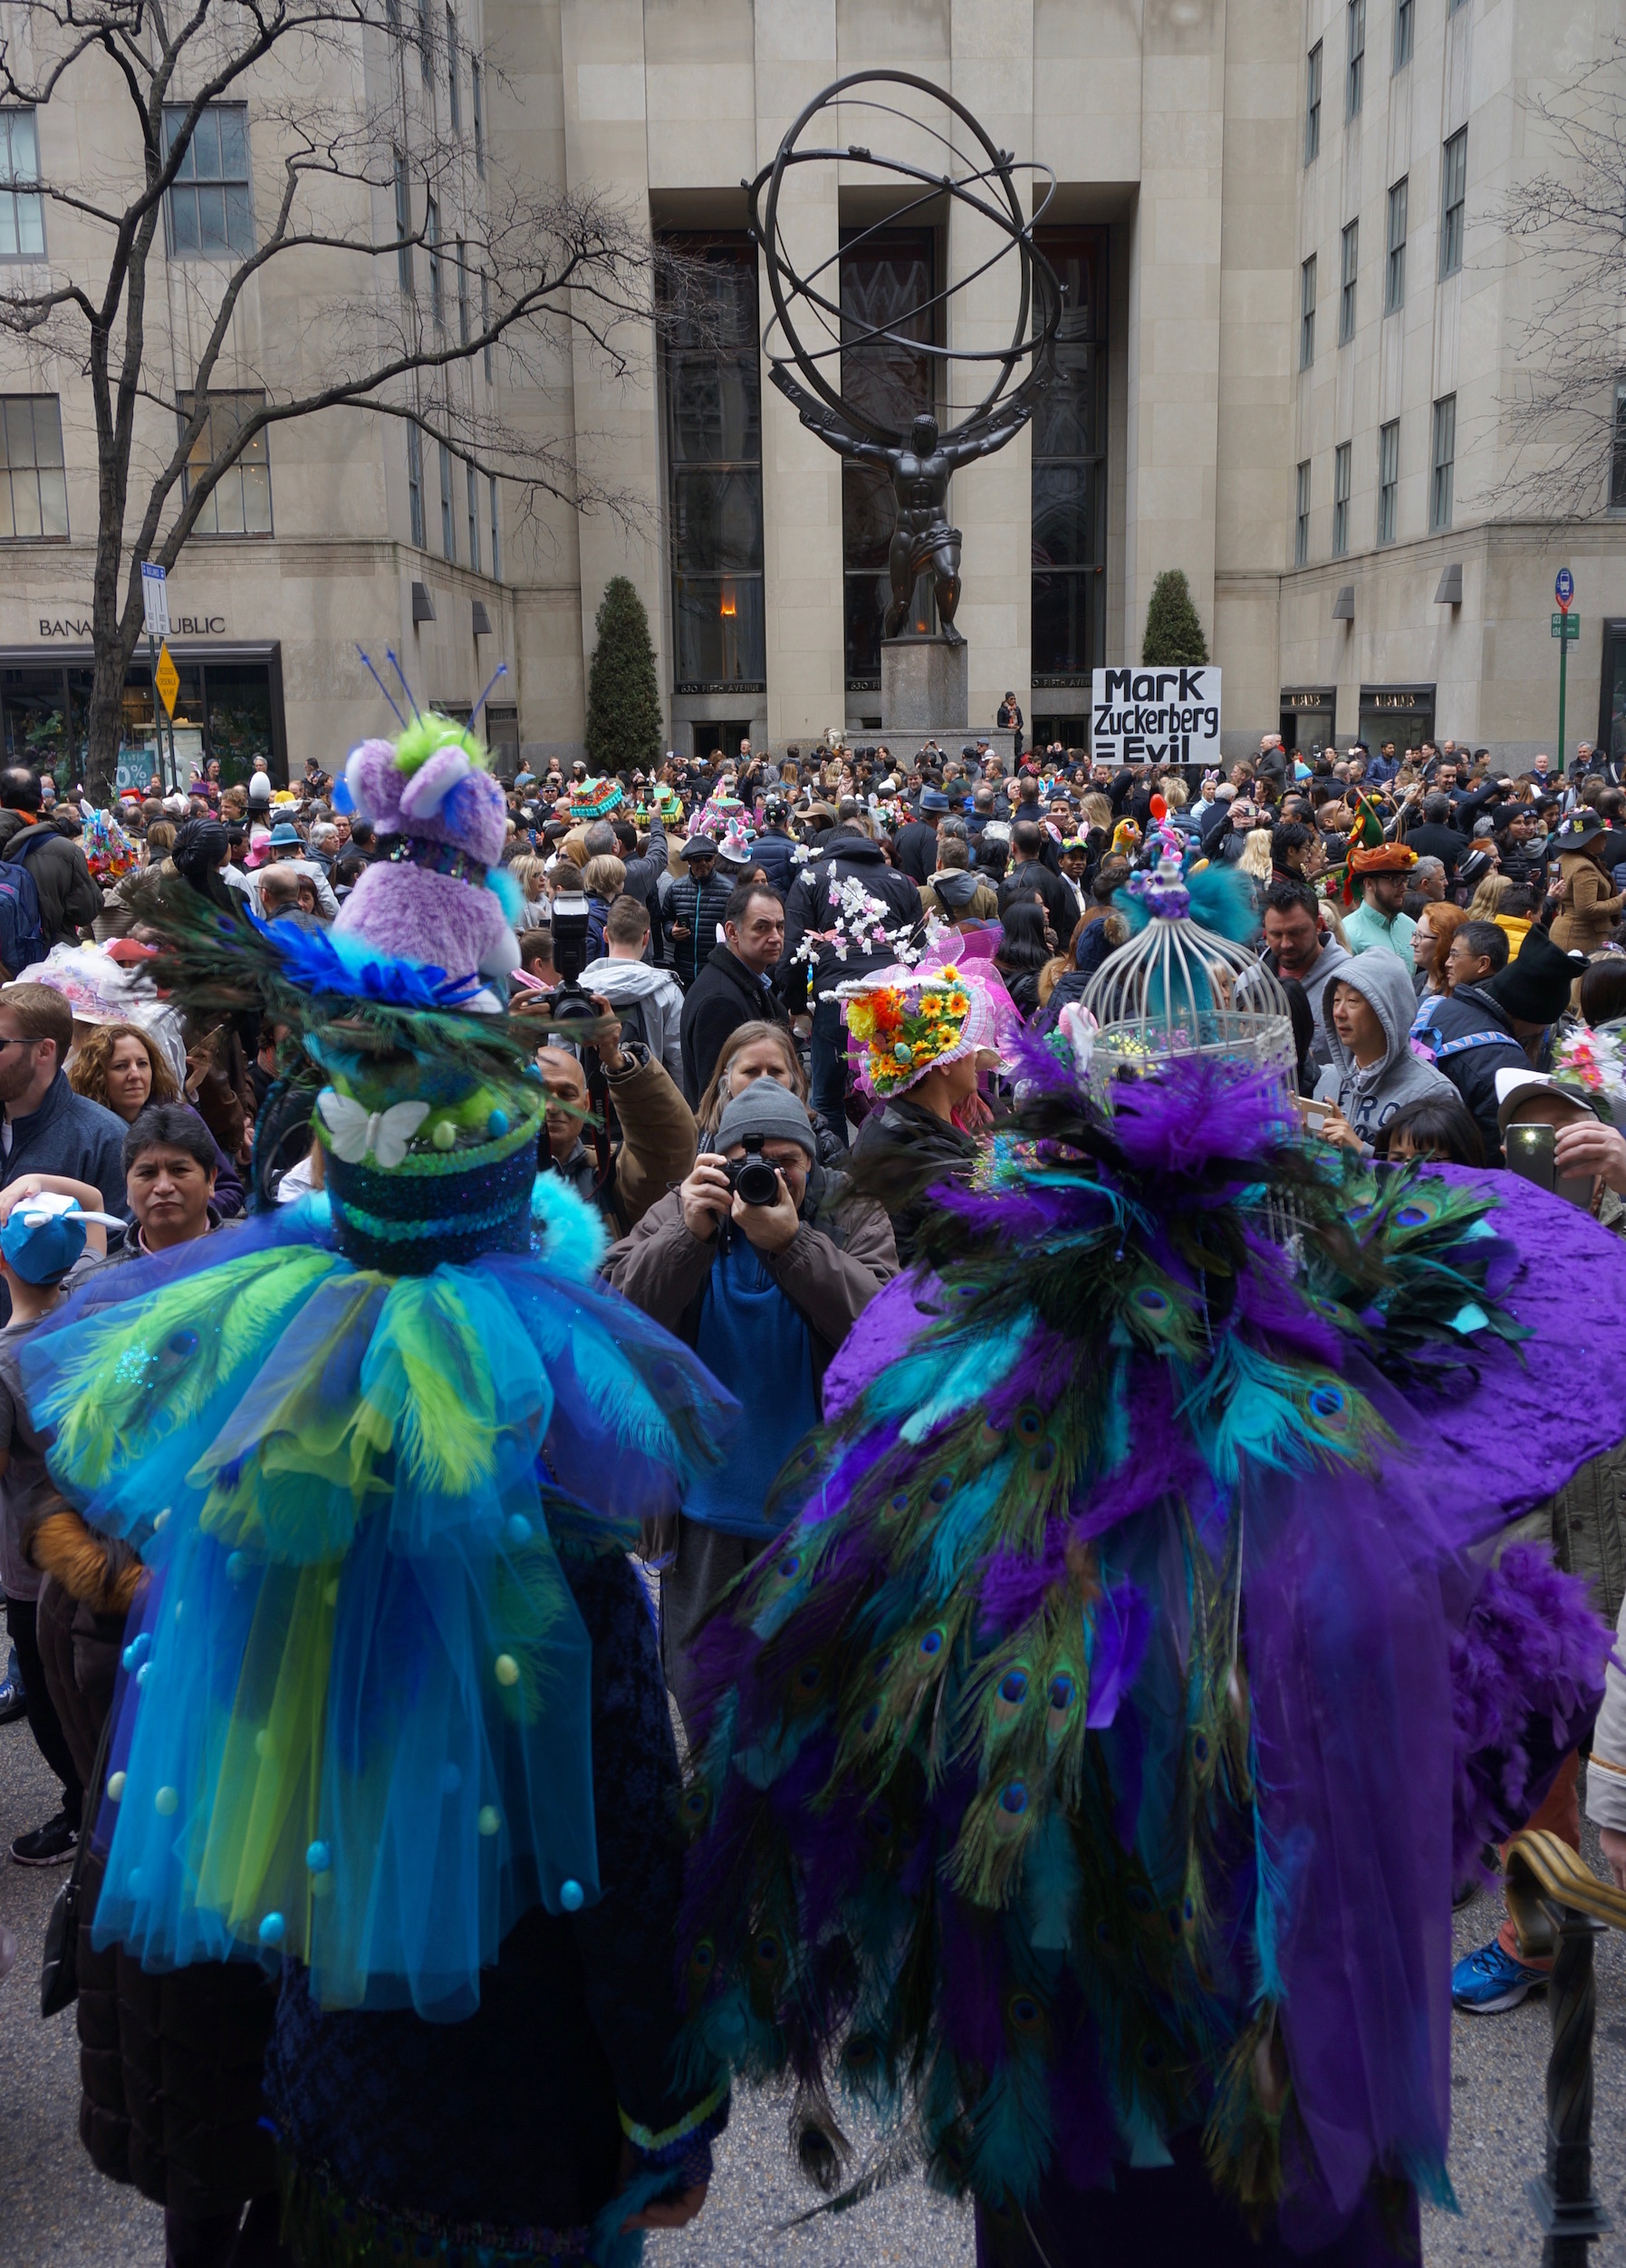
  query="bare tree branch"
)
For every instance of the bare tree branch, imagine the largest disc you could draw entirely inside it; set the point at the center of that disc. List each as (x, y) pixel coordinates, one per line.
(1569, 220)
(531, 271)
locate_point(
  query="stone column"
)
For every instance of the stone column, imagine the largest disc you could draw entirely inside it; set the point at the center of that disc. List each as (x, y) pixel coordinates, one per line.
(616, 422)
(991, 502)
(800, 478)
(1174, 308)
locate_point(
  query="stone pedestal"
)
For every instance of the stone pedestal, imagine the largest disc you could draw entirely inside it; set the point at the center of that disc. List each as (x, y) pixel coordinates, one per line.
(925, 685)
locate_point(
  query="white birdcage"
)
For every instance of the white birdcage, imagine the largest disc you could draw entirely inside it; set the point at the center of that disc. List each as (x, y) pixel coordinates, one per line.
(1178, 989)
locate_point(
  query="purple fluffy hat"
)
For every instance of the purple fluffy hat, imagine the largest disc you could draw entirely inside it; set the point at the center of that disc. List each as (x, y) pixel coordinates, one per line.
(442, 819)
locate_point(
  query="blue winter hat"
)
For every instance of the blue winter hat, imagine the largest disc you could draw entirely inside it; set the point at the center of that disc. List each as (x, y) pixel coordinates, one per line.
(44, 1235)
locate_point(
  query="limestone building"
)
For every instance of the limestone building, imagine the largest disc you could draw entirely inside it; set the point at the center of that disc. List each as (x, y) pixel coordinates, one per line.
(1292, 330)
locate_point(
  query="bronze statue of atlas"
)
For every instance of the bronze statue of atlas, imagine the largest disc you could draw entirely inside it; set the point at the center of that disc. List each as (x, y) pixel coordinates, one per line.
(920, 458)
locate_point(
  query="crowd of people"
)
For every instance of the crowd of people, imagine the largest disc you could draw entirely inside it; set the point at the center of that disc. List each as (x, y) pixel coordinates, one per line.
(780, 1001)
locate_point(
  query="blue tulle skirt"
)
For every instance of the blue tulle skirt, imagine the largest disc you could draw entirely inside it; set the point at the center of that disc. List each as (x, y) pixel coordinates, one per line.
(355, 1723)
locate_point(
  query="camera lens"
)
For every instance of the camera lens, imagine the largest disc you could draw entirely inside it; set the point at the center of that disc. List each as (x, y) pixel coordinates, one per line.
(757, 1182)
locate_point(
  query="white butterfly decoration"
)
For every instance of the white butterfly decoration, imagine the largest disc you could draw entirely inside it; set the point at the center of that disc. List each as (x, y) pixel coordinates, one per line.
(359, 1133)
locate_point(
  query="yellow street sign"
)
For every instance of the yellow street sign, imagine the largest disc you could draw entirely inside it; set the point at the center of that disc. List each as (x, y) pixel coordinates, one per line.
(166, 678)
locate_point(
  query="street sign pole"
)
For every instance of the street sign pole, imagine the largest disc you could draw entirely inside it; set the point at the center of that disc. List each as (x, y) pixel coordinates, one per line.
(1563, 590)
(155, 603)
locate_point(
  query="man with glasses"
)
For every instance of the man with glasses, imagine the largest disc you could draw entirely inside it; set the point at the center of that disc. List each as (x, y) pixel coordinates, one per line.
(46, 1128)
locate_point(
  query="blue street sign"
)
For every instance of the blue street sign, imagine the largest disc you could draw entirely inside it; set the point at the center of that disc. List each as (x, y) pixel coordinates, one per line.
(1563, 587)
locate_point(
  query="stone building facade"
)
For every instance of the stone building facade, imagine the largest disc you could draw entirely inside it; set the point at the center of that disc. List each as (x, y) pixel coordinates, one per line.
(1292, 333)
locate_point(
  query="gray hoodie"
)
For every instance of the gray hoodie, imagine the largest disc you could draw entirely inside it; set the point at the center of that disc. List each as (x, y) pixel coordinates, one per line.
(659, 999)
(1370, 1098)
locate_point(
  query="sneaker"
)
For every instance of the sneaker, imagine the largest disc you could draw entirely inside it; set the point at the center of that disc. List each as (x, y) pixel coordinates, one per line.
(1487, 1982)
(12, 1703)
(48, 1845)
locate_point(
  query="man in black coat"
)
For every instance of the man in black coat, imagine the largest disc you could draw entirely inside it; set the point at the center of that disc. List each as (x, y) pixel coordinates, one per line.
(1030, 877)
(1438, 838)
(733, 987)
(774, 849)
(814, 909)
(916, 847)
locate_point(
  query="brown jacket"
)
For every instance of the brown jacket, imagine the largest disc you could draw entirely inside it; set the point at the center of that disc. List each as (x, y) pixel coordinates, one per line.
(1589, 910)
(656, 1151)
(833, 1267)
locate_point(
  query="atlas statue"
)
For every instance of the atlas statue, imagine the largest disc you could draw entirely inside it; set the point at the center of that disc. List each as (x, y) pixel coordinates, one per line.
(920, 458)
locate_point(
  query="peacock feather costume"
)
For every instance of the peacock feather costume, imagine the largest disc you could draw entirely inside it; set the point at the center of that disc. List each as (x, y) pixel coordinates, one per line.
(351, 1441)
(1092, 1759)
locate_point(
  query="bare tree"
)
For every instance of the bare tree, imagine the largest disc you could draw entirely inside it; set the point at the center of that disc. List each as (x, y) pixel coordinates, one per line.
(1571, 219)
(441, 264)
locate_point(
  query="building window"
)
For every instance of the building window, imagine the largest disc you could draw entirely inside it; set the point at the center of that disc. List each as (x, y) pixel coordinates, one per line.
(477, 107)
(1444, 458)
(713, 398)
(1394, 271)
(1313, 108)
(473, 518)
(1403, 18)
(496, 542)
(1351, 259)
(22, 216)
(1617, 458)
(1452, 5)
(403, 225)
(1453, 201)
(431, 236)
(1069, 471)
(1356, 85)
(462, 292)
(1307, 313)
(239, 504)
(426, 43)
(1300, 521)
(415, 482)
(206, 212)
(1340, 500)
(449, 526)
(34, 487)
(1388, 478)
(454, 93)
(485, 325)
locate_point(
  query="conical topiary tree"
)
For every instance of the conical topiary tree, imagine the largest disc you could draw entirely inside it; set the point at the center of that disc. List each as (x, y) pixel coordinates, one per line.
(1173, 633)
(623, 699)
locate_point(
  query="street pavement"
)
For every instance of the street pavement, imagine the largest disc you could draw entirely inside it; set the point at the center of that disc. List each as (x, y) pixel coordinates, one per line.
(56, 2213)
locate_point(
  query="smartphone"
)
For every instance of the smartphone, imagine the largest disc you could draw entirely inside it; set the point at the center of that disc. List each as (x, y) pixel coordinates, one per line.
(1530, 1152)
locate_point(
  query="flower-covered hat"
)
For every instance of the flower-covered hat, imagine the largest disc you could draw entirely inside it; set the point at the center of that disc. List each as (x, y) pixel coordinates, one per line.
(902, 1023)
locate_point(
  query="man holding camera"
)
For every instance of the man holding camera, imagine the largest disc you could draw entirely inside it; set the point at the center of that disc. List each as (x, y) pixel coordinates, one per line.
(762, 1262)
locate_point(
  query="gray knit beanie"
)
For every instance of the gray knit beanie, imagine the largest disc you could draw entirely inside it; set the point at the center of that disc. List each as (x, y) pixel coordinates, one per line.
(768, 1109)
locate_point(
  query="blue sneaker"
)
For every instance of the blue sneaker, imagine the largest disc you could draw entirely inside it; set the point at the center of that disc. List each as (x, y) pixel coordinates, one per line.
(1487, 1982)
(12, 1703)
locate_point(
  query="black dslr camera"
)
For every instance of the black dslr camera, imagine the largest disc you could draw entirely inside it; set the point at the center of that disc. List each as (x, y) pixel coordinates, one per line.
(752, 1178)
(570, 1002)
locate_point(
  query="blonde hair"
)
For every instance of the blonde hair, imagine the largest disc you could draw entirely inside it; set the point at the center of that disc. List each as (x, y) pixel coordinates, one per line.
(718, 1090)
(1255, 854)
(603, 877)
(531, 874)
(1176, 794)
(1487, 899)
(1097, 809)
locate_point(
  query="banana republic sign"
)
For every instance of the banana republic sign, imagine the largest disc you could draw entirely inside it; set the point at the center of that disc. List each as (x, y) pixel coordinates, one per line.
(80, 627)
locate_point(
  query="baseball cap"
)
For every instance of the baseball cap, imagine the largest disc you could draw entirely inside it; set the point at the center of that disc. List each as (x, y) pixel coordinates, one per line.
(44, 1235)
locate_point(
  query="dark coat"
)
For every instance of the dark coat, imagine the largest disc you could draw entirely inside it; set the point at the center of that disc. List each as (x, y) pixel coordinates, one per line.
(699, 910)
(722, 996)
(1445, 844)
(893, 1148)
(169, 2065)
(775, 854)
(69, 893)
(915, 847)
(514, 2117)
(1034, 878)
(1471, 1014)
(811, 908)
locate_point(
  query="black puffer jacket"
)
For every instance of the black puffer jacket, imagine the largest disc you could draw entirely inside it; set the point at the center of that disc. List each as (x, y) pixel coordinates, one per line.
(901, 1152)
(170, 2066)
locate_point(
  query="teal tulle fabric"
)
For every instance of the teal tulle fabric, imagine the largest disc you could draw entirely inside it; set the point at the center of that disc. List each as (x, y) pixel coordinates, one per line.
(354, 1723)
